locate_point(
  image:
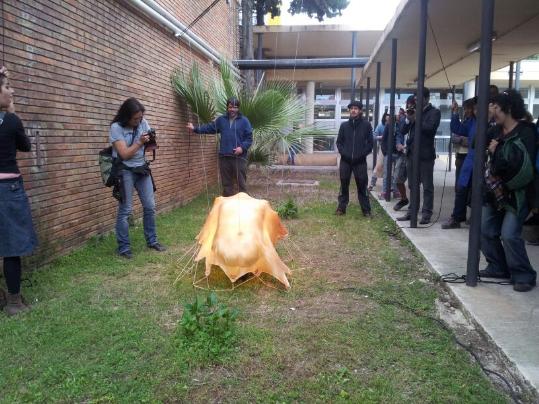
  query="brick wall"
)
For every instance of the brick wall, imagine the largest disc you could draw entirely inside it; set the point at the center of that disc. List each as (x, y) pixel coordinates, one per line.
(72, 63)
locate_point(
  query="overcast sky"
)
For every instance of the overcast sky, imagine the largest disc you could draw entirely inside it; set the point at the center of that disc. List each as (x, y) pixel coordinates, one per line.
(364, 14)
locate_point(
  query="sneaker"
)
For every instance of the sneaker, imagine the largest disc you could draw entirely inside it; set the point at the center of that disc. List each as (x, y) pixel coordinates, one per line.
(486, 273)
(425, 220)
(523, 287)
(157, 247)
(404, 218)
(340, 212)
(451, 224)
(401, 204)
(126, 254)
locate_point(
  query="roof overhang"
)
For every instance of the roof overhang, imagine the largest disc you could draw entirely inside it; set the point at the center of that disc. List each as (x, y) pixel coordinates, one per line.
(313, 41)
(456, 25)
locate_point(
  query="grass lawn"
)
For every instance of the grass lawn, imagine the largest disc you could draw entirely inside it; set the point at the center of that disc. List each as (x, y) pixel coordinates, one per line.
(103, 329)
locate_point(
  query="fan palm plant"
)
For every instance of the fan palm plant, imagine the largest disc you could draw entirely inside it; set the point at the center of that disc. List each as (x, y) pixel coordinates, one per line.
(274, 110)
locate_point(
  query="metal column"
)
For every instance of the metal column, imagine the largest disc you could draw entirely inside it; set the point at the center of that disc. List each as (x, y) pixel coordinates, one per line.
(353, 75)
(368, 97)
(517, 76)
(376, 110)
(414, 191)
(391, 120)
(487, 17)
(511, 73)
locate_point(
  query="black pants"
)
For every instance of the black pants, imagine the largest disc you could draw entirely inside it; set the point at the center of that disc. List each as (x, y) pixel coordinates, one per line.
(361, 177)
(12, 273)
(461, 202)
(233, 169)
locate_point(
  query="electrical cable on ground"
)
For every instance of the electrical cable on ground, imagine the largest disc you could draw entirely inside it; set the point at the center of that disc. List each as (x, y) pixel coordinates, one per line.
(381, 300)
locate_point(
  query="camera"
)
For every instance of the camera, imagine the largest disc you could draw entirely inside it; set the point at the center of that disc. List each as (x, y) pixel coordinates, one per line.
(152, 142)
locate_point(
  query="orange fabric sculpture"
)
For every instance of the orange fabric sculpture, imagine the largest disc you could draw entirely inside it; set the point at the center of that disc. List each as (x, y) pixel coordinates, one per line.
(239, 236)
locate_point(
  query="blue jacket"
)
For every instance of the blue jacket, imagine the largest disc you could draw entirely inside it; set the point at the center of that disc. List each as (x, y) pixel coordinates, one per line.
(233, 133)
(461, 128)
(468, 129)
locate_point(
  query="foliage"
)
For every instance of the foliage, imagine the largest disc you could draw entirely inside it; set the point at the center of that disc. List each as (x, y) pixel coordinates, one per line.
(318, 8)
(193, 90)
(288, 209)
(207, 327)
(274, 110)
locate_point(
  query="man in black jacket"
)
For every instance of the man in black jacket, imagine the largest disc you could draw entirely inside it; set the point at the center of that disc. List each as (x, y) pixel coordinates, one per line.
(354, 143)
(427, 153)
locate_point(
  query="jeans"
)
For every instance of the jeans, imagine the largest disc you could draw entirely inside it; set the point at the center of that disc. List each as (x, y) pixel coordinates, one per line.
(393, 179)
(143, 185)
(503, 246)
(361, 177)
(426, 170)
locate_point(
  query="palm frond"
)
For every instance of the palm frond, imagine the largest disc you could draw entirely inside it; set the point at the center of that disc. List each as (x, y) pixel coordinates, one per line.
(194, 93)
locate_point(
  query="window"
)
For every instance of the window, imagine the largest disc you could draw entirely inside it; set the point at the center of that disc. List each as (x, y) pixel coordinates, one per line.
(324, 112)
(524, 92)
(325, 143)
(535, 111)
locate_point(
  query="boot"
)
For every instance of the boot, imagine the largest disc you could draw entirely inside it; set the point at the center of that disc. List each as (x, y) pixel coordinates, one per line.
(3, 299)
(15, 304)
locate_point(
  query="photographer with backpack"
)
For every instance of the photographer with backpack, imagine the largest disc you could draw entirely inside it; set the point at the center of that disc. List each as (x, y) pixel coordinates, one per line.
(129, 135)
(509, 179)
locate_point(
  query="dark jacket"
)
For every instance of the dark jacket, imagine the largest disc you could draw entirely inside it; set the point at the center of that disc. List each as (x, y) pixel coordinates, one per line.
(233, 133)
(354, 141)
(507, 168)
(429, 126)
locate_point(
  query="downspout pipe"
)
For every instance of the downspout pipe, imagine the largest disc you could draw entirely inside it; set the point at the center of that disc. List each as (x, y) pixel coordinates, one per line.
(163, 17)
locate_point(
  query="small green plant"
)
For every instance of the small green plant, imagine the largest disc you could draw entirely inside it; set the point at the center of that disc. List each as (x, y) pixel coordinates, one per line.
(288, 209)
(207, 328)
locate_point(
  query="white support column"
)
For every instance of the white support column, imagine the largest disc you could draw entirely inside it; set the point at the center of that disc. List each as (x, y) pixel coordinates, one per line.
(338, 95)
(469, 90)
(309, 118)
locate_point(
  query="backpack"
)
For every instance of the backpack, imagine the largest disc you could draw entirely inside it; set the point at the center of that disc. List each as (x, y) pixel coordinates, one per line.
(108, 167)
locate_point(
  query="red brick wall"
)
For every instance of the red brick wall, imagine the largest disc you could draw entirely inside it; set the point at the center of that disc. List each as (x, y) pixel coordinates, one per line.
(72, 63)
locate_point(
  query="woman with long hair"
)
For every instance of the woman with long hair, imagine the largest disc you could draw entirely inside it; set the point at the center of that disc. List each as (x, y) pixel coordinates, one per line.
(129, 133)
(510, 183)
(18, 235)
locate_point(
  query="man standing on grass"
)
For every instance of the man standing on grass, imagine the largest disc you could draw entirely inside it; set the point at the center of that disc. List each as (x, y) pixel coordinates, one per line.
(354, 143)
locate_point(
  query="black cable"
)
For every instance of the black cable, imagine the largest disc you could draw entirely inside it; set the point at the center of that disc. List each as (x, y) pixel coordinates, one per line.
(198, 18)
(381, 300)
(439, 54)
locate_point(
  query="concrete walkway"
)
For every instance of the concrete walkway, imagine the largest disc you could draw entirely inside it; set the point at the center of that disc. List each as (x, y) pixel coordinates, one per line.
(510, 318)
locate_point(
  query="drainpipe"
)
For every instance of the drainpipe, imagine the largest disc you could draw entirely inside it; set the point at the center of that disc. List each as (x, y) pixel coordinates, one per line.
(159, 14)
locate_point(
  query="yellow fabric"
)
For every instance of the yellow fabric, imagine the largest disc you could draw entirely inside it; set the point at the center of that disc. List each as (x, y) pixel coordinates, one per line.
(239, 236)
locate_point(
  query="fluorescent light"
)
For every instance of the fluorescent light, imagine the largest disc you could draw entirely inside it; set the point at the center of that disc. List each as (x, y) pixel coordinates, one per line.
(475, 46)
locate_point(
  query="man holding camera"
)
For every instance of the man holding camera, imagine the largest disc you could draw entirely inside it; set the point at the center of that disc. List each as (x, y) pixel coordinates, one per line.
(427, 153)
(354, 143)
(236, 138)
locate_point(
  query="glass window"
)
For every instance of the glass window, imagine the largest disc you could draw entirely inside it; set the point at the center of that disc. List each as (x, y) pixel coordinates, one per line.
(536, 92)
(345, 114)
(324, 111)
(524, 92)
(535, 111)
(325, 143)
